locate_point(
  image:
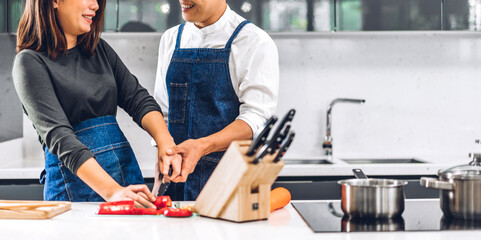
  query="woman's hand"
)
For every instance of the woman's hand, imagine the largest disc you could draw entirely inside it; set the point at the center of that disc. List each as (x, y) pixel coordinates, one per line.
(166, 159)
(191, 151)
(162, 166)
(140, 194)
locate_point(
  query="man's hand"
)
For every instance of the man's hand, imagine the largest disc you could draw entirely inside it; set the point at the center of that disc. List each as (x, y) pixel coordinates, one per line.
(191, 151)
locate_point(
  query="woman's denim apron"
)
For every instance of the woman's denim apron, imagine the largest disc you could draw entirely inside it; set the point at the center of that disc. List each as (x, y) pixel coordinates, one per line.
(202, 101)
(112, 151)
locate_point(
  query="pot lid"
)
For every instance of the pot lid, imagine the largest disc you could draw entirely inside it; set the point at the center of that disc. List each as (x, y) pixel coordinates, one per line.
(468, 171)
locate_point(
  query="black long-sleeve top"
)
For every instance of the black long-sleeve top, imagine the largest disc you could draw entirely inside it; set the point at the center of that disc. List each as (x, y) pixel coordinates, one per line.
(57, 94)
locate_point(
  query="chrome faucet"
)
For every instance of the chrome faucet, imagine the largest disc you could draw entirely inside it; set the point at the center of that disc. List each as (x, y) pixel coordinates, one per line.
(327, 144)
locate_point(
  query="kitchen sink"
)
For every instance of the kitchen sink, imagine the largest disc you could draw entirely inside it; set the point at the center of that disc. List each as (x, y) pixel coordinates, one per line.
(382, 161)
(307, 161)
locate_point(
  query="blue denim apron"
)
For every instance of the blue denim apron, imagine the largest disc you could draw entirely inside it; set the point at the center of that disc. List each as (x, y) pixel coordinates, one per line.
(202, 101)
(112, 151)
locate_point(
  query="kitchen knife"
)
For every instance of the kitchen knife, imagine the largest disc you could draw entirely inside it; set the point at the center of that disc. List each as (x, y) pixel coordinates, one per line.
(261, 137)
(284, 146)
(165, 182)
(278, 136)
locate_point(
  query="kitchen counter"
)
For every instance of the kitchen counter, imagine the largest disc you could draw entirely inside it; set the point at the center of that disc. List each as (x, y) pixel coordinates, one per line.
(31, 170)
(82, 223)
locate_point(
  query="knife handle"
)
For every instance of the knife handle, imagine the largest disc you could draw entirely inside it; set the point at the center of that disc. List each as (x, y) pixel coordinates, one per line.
(161, 176)
(284, 146)
(287, 118)
(261, 137)
(264, 151)
(282, 129)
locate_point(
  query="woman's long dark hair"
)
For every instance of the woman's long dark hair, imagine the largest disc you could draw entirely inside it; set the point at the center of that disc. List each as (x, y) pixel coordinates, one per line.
(40, 30)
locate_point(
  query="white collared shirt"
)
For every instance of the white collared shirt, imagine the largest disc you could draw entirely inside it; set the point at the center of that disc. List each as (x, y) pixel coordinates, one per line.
(253, 64)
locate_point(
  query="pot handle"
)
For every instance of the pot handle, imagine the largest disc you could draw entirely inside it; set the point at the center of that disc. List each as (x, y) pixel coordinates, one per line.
(330, 206)
(435, 183)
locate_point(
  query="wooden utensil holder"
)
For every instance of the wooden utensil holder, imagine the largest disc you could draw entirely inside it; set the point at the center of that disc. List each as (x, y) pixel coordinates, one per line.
(239, 190)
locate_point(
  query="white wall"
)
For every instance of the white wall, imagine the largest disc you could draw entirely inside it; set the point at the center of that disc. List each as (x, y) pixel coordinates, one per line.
(421, 88)
(422, 92)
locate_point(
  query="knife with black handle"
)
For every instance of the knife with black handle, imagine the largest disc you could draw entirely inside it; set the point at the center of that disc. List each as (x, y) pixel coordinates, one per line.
(284, 146)
(261, 137)
(165, 182)
(278, 136)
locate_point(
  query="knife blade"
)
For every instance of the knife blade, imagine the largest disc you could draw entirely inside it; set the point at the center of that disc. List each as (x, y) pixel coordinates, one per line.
(277, 137)
(165, 182)
(284, 146)
(261, 137)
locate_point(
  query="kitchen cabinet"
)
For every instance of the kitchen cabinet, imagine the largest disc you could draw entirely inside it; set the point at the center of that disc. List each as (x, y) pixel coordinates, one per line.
(301, 188)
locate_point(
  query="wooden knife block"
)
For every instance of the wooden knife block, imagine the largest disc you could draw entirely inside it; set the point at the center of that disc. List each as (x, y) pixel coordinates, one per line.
(239, 190)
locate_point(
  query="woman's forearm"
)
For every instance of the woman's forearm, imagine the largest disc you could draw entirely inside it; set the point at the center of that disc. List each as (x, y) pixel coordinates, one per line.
(154, 123)
(100, 181)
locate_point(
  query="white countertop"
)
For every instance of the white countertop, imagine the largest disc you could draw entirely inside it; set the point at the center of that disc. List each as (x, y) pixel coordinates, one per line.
(82, 223)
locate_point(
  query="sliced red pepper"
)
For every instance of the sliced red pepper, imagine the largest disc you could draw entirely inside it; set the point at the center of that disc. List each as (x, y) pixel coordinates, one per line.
(117, 208)
(146, 211)
(176, 212)
(163, 201)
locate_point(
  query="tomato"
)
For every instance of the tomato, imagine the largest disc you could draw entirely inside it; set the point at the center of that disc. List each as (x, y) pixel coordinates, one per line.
(163, 201)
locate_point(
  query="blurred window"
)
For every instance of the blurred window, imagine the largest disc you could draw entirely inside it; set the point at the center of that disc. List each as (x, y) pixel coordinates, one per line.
(10, 13)
(142, 15)
(462, 15)
(3, 12)
(289, 15)
(375, 15)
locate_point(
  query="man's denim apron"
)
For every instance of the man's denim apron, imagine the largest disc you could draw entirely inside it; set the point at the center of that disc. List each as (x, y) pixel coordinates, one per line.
(202, 101)
(112, 151)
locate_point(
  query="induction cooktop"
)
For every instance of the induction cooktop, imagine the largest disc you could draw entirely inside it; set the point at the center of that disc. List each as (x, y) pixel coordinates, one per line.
(418, 215)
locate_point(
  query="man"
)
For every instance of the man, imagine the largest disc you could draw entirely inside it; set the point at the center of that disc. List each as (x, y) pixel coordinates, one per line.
(217, 81)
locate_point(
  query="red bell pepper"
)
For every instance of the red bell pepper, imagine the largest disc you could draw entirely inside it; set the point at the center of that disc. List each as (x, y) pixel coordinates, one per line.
(176, 212)
(146, 211)
(163, 201)
(117, 208)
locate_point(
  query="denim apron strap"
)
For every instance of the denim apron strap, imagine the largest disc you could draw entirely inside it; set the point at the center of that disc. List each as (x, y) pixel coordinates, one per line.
(179, 36)
(112, 151)
(234, 35)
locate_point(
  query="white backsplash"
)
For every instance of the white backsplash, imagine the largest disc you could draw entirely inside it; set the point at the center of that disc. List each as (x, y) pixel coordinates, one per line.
(422, 91)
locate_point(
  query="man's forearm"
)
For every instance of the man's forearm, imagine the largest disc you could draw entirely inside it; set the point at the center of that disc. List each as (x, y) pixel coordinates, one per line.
(220, 141)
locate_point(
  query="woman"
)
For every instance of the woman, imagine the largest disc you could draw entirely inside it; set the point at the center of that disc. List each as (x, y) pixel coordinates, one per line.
(70, 83)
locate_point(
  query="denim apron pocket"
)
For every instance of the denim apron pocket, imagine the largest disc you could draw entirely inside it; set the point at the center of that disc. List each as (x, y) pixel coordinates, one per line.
(178, 98)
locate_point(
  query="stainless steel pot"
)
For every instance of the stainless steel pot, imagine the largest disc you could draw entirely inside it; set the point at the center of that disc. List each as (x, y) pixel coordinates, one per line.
(372, 198)
(460, 186)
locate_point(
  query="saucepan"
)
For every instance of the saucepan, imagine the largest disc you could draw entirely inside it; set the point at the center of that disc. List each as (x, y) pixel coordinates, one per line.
(372, 197)
(460, 195)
